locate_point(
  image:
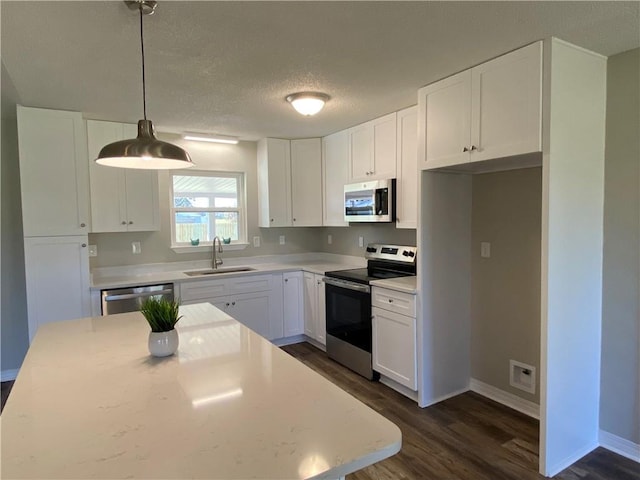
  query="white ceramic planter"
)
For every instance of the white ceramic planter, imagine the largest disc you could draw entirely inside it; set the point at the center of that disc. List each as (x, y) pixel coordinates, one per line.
(163, 344)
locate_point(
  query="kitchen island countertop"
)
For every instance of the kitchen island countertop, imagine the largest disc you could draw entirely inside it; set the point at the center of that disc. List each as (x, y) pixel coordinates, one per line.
(89, 402)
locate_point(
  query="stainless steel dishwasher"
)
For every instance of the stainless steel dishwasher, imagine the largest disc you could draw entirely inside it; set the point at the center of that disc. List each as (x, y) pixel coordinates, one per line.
(130, 299)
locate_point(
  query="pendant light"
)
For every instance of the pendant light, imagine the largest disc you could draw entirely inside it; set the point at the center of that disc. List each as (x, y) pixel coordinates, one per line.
(145, 151)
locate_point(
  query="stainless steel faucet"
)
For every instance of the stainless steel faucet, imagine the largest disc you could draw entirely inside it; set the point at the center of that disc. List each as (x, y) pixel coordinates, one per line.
(215, 261)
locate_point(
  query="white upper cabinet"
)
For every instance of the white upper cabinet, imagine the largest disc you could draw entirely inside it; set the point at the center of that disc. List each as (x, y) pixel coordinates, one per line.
(274, 183)
(445, 116)
(306, 182)
(372, 149)
(122, 200)
(407, 182)
(290, 182)
(487, 112)
(506, 105)
(335, 174)
(54, 173)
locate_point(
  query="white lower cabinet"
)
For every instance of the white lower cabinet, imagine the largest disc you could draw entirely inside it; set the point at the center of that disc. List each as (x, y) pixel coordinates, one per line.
(293, 303)
(394, 340)
(57, 277)
(314, 308)
(253, 300)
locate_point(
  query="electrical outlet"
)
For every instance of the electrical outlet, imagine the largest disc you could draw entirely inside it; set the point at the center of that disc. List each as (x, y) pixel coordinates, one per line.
(329, 239)
(136, 248)
(361, 241)
(93, 250)
(282, 240)
(256, 242)
(485, 249)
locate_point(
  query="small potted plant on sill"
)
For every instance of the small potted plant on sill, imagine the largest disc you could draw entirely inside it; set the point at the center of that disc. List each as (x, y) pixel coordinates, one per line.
(162, 315)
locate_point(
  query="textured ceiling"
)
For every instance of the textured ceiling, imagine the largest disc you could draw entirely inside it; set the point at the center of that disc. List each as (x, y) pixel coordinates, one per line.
(225, 67)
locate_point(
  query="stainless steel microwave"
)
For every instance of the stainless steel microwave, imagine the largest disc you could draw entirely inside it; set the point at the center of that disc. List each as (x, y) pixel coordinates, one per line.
(372, 201)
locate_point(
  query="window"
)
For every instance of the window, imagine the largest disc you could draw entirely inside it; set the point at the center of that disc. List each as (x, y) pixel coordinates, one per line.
(205, 205)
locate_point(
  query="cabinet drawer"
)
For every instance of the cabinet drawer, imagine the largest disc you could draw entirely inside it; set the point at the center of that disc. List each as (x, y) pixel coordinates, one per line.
(399, 302)
(202, 290)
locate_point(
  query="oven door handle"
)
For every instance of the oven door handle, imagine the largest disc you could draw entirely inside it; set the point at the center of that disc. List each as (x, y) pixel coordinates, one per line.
(348, 285)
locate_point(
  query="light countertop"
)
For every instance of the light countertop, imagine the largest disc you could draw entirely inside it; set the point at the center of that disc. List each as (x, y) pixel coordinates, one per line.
(89, 402)
(400, 284)
(153, 278)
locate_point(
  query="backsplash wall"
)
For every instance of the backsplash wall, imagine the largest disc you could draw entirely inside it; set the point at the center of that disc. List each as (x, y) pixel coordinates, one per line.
(345, 239)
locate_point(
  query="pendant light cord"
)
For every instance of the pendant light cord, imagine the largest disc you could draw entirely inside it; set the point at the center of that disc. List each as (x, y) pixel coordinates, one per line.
(144, 87)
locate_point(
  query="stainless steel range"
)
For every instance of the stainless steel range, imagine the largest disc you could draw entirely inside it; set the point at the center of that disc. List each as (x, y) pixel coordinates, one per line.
(348, 304)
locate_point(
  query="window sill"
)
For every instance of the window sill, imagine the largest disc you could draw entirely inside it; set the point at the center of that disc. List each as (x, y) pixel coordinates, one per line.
(207, 248)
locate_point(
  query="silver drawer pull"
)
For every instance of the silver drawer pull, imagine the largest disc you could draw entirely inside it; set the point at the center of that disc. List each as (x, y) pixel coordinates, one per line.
(125, 296)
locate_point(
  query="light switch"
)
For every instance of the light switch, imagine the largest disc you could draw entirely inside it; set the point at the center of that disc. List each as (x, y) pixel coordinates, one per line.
(256, 242)
(282, 240)
(485, 249)
(329, 239)
(136, 248)
(361, 241)
(93, 250)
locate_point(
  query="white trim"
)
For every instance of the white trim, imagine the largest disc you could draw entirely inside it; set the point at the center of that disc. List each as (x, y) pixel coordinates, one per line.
(207, 247)
(552, 471)
(505, 398)
(8, 375)
(401, 389)
(430, 402)
(619, 445)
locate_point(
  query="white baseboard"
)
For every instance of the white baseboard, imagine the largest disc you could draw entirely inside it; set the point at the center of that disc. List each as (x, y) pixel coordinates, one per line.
(619, 445)
(7, 375)
(505, 398)
(423, 403)
(407, 392)
(570, 460)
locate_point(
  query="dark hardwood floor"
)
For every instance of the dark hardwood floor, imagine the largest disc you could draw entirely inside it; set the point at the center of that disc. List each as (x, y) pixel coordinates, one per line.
(468, 437)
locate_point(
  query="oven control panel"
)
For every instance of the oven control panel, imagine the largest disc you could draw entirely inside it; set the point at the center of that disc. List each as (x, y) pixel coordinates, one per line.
(396, 253)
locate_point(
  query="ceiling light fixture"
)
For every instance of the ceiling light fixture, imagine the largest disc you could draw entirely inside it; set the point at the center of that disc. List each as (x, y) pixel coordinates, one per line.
(307, 103)
(205, 137)
(145, 151)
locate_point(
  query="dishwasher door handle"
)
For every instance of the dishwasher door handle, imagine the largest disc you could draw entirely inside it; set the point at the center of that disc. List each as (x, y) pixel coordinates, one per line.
(126, 296)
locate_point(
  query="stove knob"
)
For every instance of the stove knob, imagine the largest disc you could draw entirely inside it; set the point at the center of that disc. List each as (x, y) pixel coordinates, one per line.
(371, 249)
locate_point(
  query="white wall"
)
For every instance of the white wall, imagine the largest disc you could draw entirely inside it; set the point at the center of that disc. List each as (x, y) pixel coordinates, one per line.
(620, 383)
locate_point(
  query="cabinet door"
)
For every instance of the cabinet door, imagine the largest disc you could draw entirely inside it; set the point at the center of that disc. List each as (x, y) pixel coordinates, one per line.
(293, 301)
(407, 180)
(143, 209)
(507, 104)
(108, 199)
(306, 182)
(360, 152)
(310, 305)
(335, 174)
(54, 172)
(252, 310)
(444, 121)
(274, 182)
(321, 311)
(57, 279)
(394, 347)
(384, 147)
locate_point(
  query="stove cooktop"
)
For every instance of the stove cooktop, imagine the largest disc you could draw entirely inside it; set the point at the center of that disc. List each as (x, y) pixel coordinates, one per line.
(364, 276)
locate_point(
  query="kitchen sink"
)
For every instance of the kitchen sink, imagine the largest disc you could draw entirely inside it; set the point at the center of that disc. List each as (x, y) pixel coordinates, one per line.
(210, 271)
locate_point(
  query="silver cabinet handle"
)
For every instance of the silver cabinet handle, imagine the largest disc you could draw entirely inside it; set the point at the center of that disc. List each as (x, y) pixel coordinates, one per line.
(233, 303)
(294, 219)
(227, 304)
(391, 300)
(465, 149)
(84, 245)
(124, 223)
(126, 296)
(82, 225)
(130, 222)
(473, 147)
(286, 280)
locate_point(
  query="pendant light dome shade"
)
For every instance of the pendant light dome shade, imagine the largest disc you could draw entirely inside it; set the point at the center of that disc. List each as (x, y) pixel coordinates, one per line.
(144, 152)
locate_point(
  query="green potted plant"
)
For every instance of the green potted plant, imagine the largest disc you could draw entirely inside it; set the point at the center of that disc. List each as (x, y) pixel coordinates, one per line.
(162, 315)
